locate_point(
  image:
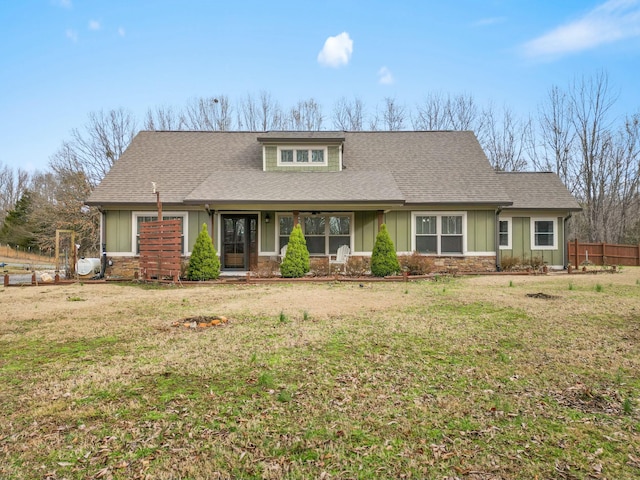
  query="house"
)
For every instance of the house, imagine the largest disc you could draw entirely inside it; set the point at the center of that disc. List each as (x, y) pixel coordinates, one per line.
(435, 191)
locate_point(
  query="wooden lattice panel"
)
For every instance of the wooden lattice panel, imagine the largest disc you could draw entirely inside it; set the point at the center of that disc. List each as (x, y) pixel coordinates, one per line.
(160, 249)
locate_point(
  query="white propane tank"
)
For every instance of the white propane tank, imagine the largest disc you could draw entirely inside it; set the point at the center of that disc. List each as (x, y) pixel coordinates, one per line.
(88, 266)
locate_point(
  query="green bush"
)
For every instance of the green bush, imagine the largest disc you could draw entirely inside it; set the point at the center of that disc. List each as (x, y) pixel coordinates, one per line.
(295, 263)
(204, 263)
(384, 260)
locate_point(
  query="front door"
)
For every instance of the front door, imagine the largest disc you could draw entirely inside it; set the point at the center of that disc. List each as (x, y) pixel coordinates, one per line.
(239, 244)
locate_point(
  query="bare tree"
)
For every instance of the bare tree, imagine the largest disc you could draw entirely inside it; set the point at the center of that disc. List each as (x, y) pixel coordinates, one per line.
(554, 148)
(348, 115)
(504, 141)
(95, 149)
(440, 112)
(12, 185)
(208, 114)
(59, 204)
(591, 101)
(393, 114)
(259, 114)
(163, 119)
(305, 115)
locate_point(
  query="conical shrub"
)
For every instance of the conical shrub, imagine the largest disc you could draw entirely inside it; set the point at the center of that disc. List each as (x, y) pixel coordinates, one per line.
(384, 260)
(295, 263)
(204, 263)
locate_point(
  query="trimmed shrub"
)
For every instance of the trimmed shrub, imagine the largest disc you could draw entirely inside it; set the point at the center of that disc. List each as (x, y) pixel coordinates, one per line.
(204, 263)
(295, 263)
(384, 260)
(416, 264)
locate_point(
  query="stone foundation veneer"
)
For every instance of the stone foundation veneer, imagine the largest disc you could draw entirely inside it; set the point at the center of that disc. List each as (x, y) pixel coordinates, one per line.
(128, 267)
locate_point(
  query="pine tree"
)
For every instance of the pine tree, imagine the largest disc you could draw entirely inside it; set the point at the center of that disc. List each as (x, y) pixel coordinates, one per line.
(204, 263)
(295, 263)
(384, 260)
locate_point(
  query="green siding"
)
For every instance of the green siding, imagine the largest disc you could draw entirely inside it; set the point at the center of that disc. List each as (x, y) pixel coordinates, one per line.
(268, 233)
(195, 221)
(271, 161)
(399, 227)
(118, 230)
(481, 231)
(365, 230)
(521, 243)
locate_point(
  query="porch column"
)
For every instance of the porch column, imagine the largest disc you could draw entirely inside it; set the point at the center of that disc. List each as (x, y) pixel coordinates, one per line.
(380, 218)
(296, 214)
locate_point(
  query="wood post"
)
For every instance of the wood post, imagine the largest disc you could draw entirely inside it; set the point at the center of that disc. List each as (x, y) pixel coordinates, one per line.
(380, 218)
(6, 279)
(575, 252)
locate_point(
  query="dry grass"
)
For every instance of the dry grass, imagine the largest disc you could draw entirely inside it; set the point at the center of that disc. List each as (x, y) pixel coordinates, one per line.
(466, 378)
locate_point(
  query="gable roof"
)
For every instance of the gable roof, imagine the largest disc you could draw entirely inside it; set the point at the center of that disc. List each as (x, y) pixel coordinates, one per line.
(537, 190)
(391, 168)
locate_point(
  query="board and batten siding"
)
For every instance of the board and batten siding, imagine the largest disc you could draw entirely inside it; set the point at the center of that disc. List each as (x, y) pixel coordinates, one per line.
(365, 230)
(195, 221)
(481, 231)
(118, 230)
(271, 161)
(521, 243)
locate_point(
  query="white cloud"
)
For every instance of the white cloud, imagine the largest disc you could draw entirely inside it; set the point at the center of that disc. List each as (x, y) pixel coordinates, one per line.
(62, 3)
(609, 22)
(94, 25)
(72, 35)
(384, 76)
(121, 32)
(336, 51)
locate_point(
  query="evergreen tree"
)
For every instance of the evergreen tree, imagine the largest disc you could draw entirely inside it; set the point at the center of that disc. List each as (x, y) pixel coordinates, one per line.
(384, 260)
(296, 261)
(204, 263)
(17, 230)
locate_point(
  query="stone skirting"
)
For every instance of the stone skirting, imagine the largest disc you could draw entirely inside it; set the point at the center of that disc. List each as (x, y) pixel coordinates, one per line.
(128, 267)
(465, 264)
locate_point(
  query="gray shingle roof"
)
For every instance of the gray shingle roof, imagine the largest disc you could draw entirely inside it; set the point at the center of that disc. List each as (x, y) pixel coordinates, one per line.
(422, 168)
(535, 190)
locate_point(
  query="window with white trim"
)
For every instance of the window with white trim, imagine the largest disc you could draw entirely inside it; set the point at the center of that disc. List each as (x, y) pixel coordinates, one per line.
(302, 156)
(140, 218)
(439, 233)
(544, 234)
(324, 234)
(504, 233)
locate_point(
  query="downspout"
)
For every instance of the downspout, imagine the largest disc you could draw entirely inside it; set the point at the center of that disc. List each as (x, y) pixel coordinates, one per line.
(103, 243)
(497, 238)
(565, 250)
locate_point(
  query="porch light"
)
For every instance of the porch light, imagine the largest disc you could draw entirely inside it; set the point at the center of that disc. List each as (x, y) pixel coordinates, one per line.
(267, 218)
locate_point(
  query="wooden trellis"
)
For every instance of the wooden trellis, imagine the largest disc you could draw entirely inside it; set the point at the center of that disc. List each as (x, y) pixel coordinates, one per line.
(160, 249)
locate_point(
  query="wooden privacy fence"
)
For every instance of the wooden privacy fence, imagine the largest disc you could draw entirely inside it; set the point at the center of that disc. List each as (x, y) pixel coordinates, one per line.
(603, 254)
(160, 247)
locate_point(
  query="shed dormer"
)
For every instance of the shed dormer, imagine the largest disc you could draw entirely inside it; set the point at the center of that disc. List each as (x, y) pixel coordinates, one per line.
(302, 151)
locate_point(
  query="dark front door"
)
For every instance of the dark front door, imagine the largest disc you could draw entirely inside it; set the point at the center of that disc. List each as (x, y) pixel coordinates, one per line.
(239, 244)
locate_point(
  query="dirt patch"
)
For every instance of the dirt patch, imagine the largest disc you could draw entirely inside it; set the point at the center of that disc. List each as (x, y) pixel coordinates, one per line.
(201, 322)
(544, 296)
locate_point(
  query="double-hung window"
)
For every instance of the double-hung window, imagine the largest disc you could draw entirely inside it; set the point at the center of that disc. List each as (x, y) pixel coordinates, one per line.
(543, 234)
(324, 234)
(439, 233)
(302, 156)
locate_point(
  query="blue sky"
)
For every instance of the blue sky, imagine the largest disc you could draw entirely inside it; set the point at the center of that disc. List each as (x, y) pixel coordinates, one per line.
(62, 59)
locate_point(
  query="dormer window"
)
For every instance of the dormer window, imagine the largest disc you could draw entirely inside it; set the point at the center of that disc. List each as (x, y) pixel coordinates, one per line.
(288, 156)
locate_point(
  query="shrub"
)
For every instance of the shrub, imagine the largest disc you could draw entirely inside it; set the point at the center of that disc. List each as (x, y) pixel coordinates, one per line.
(508, 264)
(204, 263)
(295, 263)
(357, 266)
(384, 260)
(416, 264)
